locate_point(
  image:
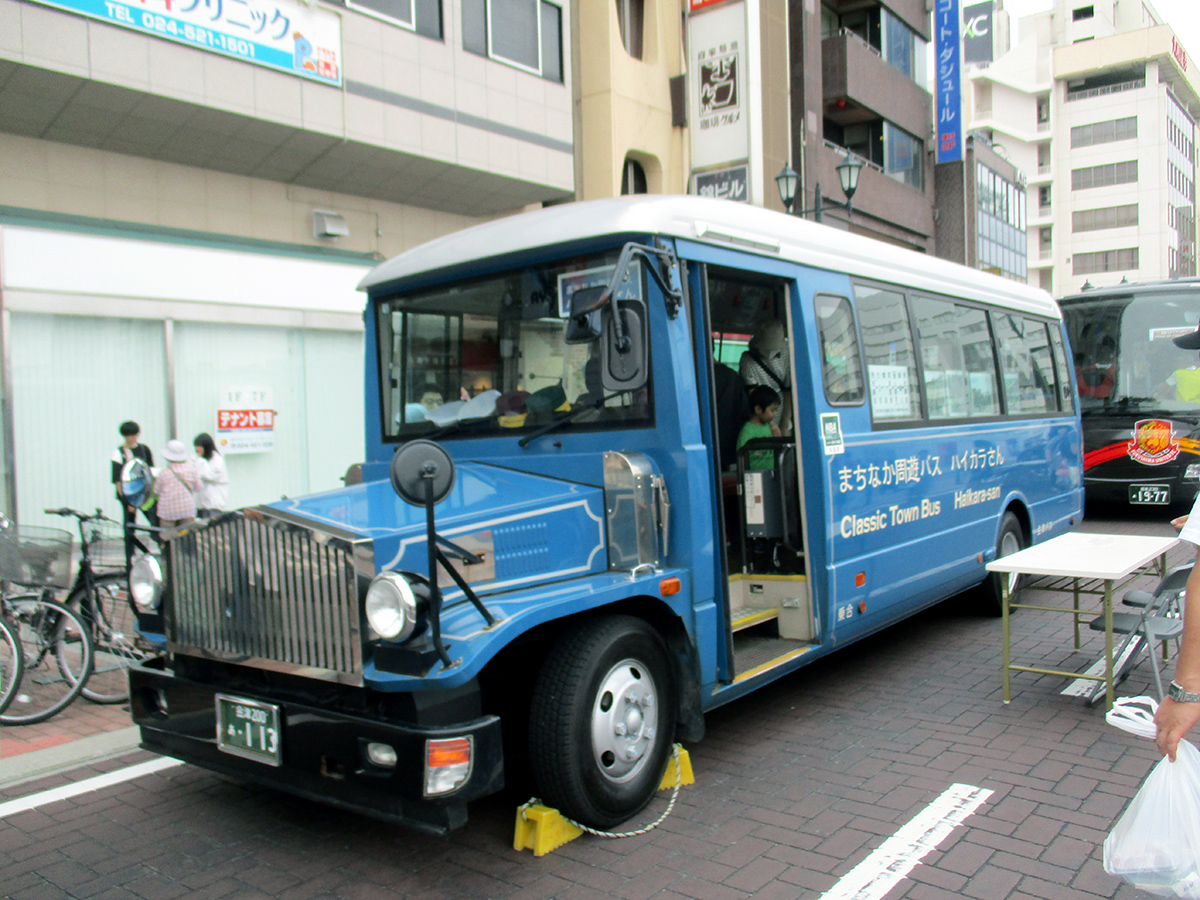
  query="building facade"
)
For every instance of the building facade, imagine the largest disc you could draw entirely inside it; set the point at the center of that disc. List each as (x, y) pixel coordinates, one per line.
(1097, 104)
(190, 193)
(745, 87)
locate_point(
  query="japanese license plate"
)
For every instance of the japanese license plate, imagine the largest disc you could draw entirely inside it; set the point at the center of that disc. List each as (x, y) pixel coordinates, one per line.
(249, 729)
(1154, 494)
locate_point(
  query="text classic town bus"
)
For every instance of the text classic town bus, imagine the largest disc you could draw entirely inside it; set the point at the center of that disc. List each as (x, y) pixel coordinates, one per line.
(1139, 394)
(548, 433)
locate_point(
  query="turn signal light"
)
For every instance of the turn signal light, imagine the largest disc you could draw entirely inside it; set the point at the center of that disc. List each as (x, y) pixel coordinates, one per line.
(669, 586)
(447, 764)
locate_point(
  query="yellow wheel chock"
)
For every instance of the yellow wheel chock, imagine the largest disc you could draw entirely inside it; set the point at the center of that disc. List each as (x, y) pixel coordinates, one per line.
(542, 829)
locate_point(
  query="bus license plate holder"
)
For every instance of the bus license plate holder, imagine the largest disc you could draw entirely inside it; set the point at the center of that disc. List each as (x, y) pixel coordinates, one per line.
(1149, 494)
(249, 729)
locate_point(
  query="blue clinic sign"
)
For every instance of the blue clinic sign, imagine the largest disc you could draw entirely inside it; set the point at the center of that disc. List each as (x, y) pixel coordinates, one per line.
(277, 34)
(948, 88)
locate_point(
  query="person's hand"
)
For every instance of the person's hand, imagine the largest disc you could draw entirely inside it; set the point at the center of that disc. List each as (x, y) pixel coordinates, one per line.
(1178, 523)
(1172, 721)
(774, 430)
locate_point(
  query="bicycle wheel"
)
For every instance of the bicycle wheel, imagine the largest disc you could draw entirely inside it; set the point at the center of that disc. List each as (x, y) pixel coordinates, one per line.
(114, 637)
(57, 651)
(11, 663)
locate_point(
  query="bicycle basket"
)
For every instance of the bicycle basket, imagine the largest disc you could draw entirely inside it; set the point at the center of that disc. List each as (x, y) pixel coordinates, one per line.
(35, 556)
(106, 544)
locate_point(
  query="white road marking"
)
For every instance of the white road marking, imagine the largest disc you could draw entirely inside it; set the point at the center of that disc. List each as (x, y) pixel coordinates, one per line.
(903, 851)
(33, 801)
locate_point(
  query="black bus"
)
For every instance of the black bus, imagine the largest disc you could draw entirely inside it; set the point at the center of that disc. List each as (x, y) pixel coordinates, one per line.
(1139, 394)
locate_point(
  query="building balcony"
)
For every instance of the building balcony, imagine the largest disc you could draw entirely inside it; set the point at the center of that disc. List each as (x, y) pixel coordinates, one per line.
(385, 113)
(859, 86)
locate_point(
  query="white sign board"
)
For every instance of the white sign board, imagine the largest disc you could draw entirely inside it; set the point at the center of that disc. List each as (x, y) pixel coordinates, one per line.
(720, 97)
(245, 420)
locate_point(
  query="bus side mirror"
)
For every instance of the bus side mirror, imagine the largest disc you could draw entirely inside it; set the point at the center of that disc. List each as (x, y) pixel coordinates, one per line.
(623, 358)
(583, 327)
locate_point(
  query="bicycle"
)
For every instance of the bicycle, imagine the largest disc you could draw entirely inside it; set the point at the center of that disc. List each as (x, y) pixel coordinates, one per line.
(12, 663)
(102, 600)
(54, 650)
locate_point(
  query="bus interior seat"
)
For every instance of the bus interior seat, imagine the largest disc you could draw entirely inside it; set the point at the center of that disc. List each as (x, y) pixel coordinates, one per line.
(733, 411)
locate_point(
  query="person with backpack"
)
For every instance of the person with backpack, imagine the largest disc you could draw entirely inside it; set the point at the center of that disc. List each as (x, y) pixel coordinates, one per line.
(133, 481)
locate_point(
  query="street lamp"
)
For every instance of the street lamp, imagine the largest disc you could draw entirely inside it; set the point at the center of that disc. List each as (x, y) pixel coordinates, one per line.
(848, 171)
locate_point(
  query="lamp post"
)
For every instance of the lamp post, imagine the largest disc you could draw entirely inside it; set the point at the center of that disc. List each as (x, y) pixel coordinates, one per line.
(848, 171)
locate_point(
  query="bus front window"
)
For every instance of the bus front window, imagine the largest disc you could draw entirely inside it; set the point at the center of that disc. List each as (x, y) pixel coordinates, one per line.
(1126, 359)
(487, 357)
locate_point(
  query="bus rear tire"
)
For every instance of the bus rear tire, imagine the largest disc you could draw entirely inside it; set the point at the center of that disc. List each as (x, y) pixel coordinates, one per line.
(602, 720)
(1010, 540)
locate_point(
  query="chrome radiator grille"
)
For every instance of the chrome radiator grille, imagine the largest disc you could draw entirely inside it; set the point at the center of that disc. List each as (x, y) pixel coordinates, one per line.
(268, 593)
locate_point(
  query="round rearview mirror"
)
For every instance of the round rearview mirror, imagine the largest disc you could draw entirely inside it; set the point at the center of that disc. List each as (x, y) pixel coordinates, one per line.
(418, 463)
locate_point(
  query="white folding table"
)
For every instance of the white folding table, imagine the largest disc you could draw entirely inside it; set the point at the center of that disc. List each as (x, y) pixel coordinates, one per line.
(1077, 558)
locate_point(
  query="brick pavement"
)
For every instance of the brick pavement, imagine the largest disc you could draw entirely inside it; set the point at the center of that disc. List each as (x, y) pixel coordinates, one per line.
(795, 785)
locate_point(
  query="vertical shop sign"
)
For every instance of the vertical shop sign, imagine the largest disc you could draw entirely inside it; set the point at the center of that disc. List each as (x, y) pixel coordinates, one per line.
(720, 133)
(949, 84)
(245, 420)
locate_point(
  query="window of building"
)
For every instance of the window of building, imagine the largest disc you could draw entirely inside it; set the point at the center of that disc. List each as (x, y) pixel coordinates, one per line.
(1043, 110)
(1082, 12)
(904, 156)
(1105, 261)
(422, 16)
(1104, 132)
(633, 177)
(1104, 176)
(523, 33)
(1106, 217)
(630, 15)
(888, 346)
(902, 47)
(956, 359)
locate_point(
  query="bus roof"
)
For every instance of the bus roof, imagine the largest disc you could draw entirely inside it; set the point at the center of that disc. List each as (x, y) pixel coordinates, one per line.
(1142, 288)
(721, 222)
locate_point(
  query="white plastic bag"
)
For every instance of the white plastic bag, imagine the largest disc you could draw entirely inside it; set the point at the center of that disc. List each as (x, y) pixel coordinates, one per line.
(1155, 845)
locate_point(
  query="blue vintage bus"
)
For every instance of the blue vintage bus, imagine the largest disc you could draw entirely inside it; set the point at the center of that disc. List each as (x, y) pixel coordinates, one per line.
(558, 559)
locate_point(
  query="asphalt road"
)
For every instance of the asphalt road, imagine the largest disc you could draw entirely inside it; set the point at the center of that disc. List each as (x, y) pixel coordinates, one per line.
(801, 789)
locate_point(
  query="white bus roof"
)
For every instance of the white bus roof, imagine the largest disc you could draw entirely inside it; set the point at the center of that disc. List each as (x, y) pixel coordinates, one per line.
(722, 223)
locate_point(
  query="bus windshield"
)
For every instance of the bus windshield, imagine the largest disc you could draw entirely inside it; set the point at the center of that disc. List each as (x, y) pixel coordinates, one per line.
(488, 356)
(1125, 360)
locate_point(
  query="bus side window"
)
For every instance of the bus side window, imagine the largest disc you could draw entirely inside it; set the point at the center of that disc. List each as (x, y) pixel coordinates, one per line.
(1025, 361)
(1066, 397)
(888, 347)
(841, 365)
(956, 352)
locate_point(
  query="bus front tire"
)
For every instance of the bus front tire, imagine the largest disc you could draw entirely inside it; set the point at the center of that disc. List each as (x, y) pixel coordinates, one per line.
(602, 720)
(1010, 540)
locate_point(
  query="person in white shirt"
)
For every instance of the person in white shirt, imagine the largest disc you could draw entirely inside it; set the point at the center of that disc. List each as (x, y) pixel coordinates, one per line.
(213, 495)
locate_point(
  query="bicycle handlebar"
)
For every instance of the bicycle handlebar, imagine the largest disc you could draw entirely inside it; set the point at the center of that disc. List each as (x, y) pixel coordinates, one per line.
(82, 517)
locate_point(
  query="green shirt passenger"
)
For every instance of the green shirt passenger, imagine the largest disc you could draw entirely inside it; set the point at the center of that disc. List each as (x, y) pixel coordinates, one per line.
(765, 405)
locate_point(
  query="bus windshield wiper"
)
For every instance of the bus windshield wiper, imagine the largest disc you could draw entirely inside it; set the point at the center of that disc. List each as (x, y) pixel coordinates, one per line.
(571, 416)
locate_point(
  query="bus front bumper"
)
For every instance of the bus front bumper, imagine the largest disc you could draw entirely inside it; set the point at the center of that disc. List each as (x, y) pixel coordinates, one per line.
(322, 754)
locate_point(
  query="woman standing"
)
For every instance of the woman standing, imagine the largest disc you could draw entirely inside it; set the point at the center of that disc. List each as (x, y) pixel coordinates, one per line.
(213, 495)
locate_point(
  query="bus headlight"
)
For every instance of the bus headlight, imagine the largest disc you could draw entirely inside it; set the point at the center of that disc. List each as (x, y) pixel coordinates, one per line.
(145, 583)
(391, 607)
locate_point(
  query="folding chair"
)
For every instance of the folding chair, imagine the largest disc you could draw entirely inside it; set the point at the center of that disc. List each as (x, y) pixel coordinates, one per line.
(1160, 619)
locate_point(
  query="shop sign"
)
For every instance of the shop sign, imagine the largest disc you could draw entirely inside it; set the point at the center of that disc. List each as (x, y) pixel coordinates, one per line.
(245, 421)
(947, 56)
(277, 34)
